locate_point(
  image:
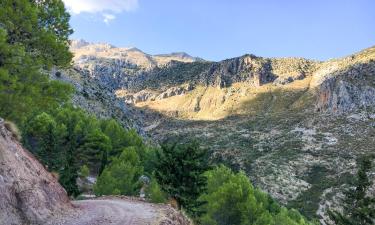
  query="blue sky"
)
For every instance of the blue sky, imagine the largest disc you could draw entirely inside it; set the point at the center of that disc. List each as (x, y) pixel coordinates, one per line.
(220, 29)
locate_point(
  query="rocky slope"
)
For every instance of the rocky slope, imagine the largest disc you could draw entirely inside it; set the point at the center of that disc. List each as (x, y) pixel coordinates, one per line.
(28, 193)
(294, 125)
(121, 64)
(96, 98)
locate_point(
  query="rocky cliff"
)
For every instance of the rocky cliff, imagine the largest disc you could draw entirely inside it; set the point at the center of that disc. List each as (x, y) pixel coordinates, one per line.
(28, 193)
(347, 84)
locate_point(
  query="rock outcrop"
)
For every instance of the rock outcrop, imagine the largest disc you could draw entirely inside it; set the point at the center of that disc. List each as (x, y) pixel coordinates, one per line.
(96, 98)
(348, 87)
(144, 95)
(28, 193)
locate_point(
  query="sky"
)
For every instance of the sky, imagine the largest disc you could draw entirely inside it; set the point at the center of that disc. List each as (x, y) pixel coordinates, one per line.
(221, 29)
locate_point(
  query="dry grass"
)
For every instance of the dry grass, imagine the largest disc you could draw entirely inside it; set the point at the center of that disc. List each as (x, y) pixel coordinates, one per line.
(13, 129)
(56, 175)
(212, 103)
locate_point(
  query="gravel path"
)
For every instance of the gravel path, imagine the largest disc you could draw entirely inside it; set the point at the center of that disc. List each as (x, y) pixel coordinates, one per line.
(111, 211)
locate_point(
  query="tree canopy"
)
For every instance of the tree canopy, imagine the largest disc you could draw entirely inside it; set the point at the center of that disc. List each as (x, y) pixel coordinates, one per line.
(232, 199)
(33, 37)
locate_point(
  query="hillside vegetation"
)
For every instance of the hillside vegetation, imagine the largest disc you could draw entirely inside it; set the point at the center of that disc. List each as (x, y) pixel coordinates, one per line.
(296, 126)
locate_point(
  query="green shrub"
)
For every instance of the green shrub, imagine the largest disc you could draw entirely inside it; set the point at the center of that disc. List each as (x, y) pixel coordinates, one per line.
(84, 171)
(121, 175)
(232, 199)
(154, 192)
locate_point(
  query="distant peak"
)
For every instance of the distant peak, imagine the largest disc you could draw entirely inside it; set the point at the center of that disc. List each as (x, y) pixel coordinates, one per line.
(133, 49)
(81, 43)
(176, 54)
(78, 43)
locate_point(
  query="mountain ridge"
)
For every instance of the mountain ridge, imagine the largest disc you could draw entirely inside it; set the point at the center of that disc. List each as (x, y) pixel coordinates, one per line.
(85, 49)
(285, 121)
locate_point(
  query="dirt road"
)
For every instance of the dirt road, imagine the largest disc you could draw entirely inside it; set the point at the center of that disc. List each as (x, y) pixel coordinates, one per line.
(112, 211)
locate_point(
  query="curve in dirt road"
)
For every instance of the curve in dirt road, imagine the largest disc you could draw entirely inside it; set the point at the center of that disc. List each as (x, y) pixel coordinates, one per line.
(119, 212)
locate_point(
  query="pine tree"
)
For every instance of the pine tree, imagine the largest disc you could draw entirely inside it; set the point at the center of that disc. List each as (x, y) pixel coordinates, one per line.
(359, 207)
(116, 134)
(232, 199)
(43, 136)
(49, 151)
(72, 120)
(94, 150)
(69, 175)
(33, 37)
(180, 172)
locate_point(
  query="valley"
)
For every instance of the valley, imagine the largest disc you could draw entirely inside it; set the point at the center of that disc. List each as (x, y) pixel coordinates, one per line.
(296, 126)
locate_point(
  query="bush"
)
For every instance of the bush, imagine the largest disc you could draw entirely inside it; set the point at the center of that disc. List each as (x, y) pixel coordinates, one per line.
(121, 175)
(154, 192)
(84, 171)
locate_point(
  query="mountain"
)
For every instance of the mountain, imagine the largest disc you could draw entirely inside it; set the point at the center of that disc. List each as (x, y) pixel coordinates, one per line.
(85, 52)
(294, 125)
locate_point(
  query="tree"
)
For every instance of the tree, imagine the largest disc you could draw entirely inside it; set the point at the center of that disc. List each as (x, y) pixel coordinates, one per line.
(69, 175)
(180, 171)
(359, 206)
(232, 199)
(121, 175)
(73, 121)
(33, 37)
(53, 43)
(44, 136)
(42, 27)
(116, 135)
(94, 150)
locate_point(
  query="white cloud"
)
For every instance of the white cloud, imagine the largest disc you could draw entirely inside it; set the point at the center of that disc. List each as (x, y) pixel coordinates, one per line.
(107, 8)
(108, 17)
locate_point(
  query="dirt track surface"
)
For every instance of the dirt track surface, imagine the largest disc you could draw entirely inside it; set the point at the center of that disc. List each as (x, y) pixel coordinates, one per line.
(111, 211)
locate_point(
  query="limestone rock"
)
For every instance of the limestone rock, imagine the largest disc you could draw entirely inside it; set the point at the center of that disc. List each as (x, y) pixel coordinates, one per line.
(347, 89)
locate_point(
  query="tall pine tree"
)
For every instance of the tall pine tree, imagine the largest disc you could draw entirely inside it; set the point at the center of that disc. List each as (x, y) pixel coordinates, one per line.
(94, 150)
(180, 172)
(359, 206)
